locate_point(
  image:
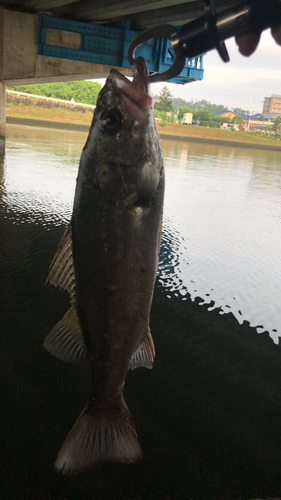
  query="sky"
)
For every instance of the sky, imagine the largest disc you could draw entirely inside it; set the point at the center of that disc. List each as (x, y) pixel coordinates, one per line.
(243, 82)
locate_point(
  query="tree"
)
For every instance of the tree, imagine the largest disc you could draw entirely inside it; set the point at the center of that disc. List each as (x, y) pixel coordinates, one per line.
(81, 91)
(180, 103)
(202, 116)
(212, 108)
(277, 125)
(240, 111)
(165, 101)
(237, 119)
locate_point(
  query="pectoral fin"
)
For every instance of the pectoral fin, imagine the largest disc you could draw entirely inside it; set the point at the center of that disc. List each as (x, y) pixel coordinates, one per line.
(65, 340)
(144, 356)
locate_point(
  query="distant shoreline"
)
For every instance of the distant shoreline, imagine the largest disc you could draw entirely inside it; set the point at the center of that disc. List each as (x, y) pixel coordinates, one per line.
(63, 125)
(34, 122)
(219, 142)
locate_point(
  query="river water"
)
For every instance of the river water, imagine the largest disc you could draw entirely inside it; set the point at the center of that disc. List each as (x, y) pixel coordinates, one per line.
(208, 415)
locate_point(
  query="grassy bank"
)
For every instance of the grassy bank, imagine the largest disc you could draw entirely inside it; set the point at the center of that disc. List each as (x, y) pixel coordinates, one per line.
(170, 130)
(52, 115)
(190, 132)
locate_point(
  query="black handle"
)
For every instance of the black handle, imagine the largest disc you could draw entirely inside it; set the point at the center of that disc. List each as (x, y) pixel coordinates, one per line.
(209, 31)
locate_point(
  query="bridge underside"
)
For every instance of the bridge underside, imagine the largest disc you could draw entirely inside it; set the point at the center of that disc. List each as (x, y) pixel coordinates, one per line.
(142, 14)
(19, 59)
(20, 62)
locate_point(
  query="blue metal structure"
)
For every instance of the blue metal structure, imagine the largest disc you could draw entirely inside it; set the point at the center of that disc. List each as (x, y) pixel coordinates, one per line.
(109, 44)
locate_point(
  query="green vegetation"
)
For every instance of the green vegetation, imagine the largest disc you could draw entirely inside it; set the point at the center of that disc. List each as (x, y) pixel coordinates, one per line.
(207, 119)
(201, 110)
(182, 110)
(54, 114)
(198, 105)
(210, 108)
(81, 91)
(237, 119)
(214, 134)
(87, 92)
(277, 125)
(164, 116)
(240, 111)
(194, 106)
(165, 101)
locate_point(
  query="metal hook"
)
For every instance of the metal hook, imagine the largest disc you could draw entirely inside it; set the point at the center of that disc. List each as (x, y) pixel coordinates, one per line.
(164, 31)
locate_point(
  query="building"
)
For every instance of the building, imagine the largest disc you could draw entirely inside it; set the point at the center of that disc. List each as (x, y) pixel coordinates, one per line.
(254, 124)
(272, 105)
(270, 116)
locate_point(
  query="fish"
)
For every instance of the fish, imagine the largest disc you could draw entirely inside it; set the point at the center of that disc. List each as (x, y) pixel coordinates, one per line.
(107, 261)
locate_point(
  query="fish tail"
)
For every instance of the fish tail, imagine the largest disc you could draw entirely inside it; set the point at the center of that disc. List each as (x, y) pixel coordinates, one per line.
(99, 435)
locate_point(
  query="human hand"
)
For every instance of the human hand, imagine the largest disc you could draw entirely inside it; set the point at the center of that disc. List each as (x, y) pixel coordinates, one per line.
(248, 43)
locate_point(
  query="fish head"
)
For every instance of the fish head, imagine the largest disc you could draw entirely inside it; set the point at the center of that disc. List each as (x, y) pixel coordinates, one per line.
(122, 154)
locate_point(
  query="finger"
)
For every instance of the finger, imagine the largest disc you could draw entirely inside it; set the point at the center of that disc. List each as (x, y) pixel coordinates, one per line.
(276, 33)
(247, 43)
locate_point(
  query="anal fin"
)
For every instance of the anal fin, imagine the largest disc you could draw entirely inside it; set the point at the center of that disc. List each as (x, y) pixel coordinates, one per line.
(65, 340)
(144, 355)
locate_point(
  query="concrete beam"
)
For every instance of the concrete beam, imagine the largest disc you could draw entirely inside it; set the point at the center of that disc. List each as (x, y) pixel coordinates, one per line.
(22, 65)
(44, 5)
(142, 14)
(176, 16)
(102, 11)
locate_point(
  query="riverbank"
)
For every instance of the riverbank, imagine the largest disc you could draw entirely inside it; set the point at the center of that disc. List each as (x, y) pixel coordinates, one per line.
(33, 122)
(59, 115)
(81, 120)
(193, 133)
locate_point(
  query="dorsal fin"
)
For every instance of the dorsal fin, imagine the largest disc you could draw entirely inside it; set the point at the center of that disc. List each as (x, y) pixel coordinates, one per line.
(144, 355)
(61, 273)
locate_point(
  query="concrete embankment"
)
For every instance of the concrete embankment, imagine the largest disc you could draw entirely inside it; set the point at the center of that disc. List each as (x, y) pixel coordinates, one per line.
(33, 122)
(219, 142)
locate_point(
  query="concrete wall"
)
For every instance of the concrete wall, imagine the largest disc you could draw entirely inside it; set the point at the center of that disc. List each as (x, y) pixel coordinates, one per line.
(2, 109)
(2, 86)
(20, 63)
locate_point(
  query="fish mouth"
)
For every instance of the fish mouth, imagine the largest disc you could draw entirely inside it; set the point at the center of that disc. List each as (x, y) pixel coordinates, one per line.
(135, 93)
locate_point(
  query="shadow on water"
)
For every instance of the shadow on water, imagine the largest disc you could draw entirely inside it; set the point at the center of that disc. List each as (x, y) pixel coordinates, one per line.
(207, 415)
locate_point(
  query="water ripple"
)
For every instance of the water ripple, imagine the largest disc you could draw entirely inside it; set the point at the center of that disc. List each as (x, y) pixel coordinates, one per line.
(221, 232)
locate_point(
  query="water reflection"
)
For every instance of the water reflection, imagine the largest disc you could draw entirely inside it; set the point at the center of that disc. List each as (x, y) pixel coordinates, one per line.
(208, 414)
(229, 229)
(39, 181)
(2, 161)
(222, 206)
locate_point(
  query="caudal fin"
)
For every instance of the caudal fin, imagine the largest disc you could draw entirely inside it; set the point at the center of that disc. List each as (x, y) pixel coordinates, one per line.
(97, 436)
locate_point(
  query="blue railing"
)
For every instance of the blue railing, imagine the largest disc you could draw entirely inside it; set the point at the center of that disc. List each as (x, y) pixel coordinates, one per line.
(108, 44)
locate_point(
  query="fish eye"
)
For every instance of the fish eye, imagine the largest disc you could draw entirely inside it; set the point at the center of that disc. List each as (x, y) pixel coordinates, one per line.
(112, 120)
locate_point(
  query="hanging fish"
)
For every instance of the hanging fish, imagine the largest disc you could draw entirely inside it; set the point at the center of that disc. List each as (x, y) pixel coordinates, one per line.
(107, 261)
